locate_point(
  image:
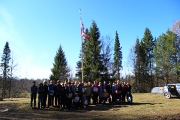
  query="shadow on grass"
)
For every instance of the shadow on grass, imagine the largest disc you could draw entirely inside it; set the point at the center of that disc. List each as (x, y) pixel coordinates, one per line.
(56, 113)
(136, 103)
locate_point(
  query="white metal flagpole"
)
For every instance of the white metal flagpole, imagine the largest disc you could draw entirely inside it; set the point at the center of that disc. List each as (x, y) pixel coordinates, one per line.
(82, 69)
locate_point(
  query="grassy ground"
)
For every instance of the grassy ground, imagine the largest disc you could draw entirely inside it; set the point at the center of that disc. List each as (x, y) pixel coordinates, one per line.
(144, 106)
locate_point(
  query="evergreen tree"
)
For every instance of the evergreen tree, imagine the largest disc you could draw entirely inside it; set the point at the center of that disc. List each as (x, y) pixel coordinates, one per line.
(117, 57)
(139, 66)
(176, 30)
(60, 70)
(137, 62)
(5, 67)
(164, 54)
(92, 57)
(148, 44)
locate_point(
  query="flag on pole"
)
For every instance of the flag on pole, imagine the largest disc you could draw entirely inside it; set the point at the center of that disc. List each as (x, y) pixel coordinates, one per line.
(83, 34)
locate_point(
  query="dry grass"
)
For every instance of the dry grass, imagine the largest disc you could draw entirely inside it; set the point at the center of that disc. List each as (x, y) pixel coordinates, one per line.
(144, 106)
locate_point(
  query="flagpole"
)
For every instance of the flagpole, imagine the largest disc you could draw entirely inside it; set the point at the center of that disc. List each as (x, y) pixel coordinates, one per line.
(82, 69)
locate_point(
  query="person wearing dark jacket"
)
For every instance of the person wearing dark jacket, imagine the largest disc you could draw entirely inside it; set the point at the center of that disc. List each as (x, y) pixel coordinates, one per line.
(63, 96)
(33, 94)
(58, 93)
(109, 90)
(69, 92)
(80, 92)
(119, 91)
(129, 95)
(40, 96)
(128, 87)
(45, 87)
(124, 91)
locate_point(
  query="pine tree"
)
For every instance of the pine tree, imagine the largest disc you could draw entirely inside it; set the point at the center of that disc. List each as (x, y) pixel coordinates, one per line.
(148, 44)
(164, 54)
(117, 57)
(176, 30)
(60, 70)
(5, 67)
(92, 57)
(137, 62)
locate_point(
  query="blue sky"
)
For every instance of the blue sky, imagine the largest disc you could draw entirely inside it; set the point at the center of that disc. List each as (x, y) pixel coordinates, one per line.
(36, 28)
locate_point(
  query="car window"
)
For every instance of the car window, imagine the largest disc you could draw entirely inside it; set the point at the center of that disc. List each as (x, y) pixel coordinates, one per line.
(178, 86)
(172, 86)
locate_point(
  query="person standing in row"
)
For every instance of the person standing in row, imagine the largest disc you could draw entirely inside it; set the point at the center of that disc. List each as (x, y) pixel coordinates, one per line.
(58, 93)
(40, 96)
(51, 93)
(45, 87)
(95, 92)
(63, 96)
(69, 96)
(33, 94)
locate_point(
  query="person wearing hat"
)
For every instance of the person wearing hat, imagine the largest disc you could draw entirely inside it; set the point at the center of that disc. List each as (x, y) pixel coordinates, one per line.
(33, 94)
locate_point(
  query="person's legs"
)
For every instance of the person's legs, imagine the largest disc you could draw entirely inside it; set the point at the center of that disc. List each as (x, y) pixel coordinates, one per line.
(113, 98)
(56, 100)
(59, 101)
(123, 97)
(49, 100)
(120, 97)
(68, 103)
(31, 100)
(44, 100)
(39, 102)
(95, 98)
(34, 101)
(88, 98)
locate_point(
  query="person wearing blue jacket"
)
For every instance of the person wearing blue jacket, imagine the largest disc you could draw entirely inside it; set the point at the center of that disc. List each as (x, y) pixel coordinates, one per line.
(51, 91)
(114, 89)
(69, 93)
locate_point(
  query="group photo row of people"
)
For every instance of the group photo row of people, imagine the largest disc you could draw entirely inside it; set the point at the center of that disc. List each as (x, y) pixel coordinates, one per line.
(74, 94)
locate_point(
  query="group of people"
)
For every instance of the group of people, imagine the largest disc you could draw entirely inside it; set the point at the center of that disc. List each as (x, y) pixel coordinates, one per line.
(76, 94)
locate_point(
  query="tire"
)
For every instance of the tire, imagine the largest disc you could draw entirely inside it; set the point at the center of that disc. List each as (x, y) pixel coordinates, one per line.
(168, 95)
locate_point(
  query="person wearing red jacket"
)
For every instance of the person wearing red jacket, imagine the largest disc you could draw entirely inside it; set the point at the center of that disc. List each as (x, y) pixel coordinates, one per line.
(124, 92)
(95, 92)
